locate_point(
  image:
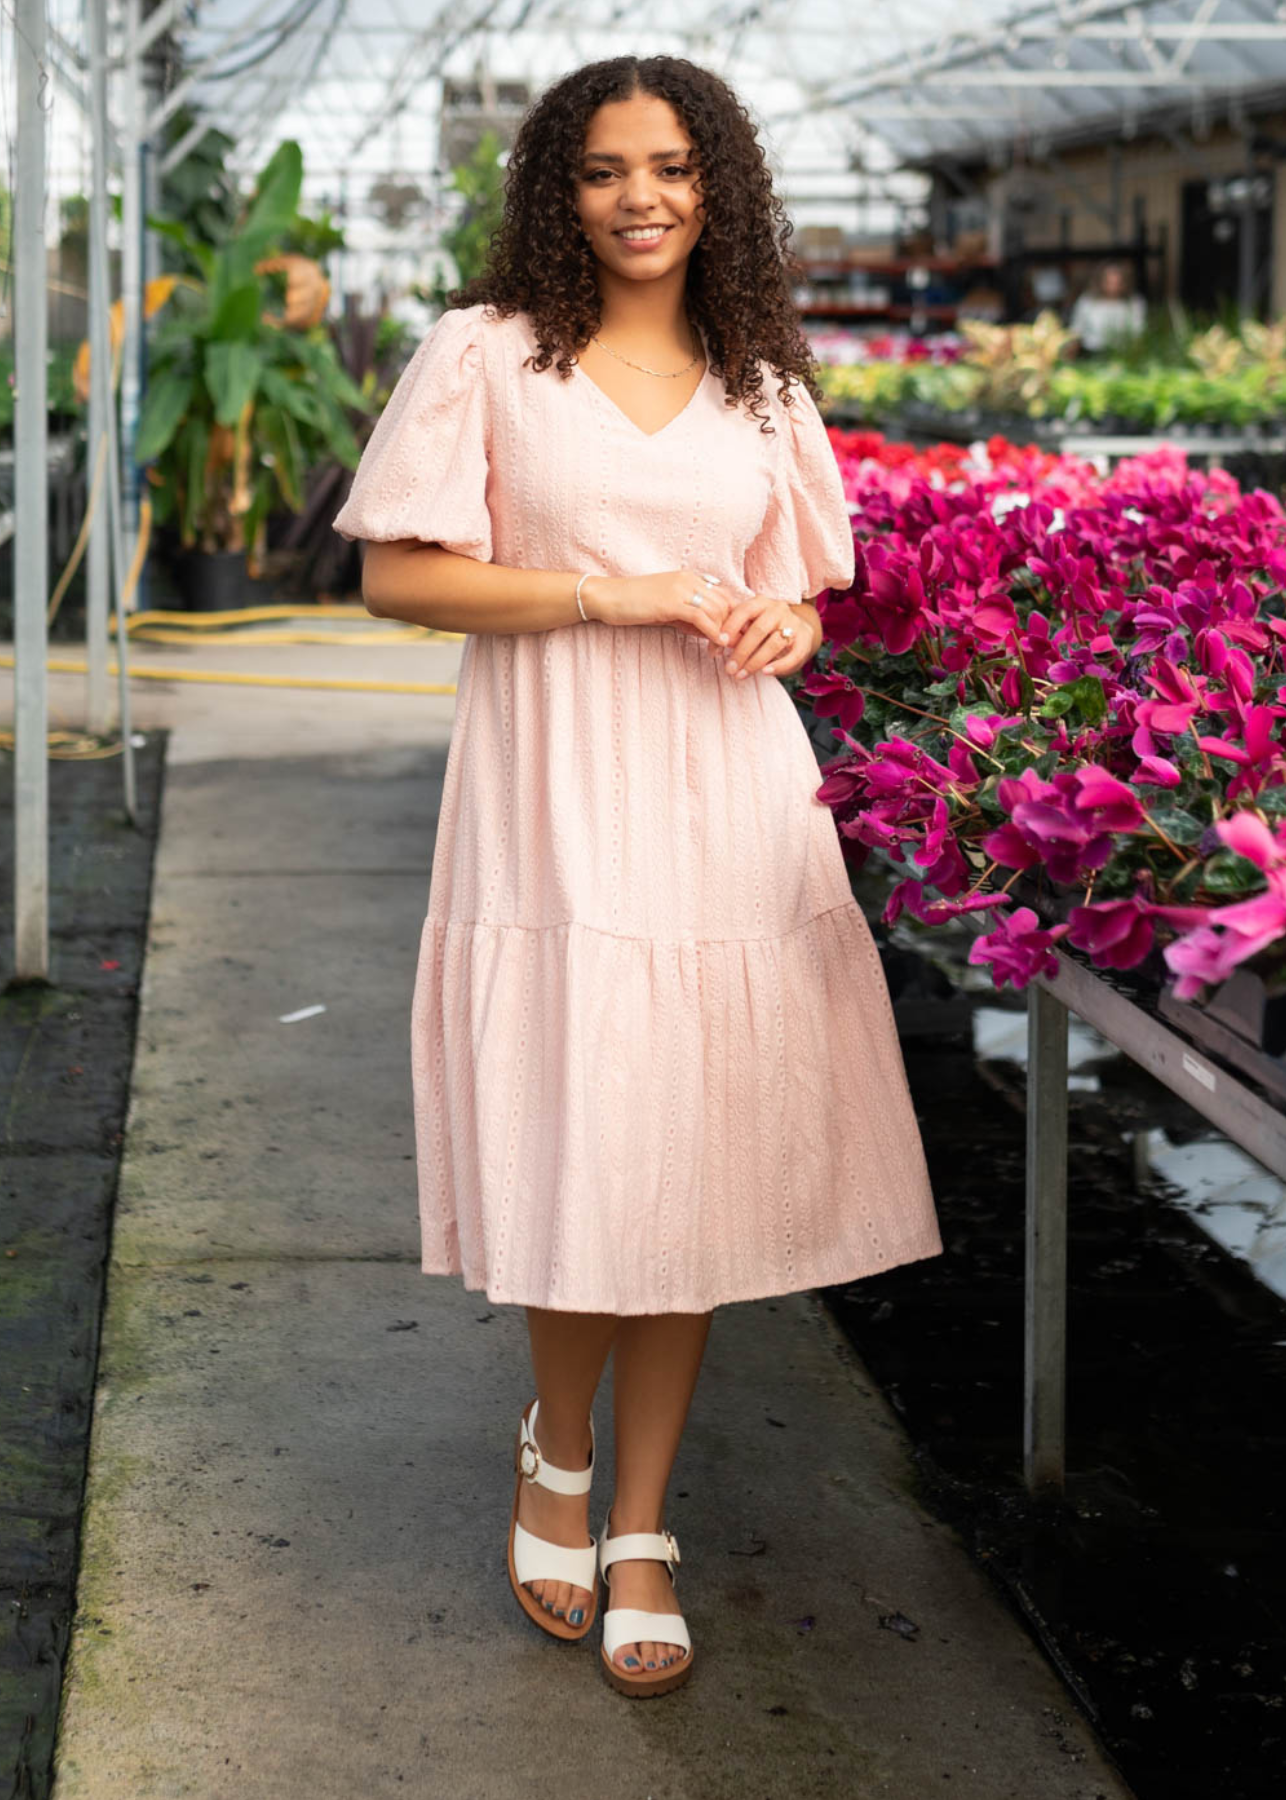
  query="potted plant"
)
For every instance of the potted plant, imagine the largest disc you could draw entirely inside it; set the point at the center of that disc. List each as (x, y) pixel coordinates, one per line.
(242, 397)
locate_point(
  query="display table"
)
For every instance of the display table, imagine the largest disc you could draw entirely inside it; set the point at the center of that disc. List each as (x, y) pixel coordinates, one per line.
(1233, 1104)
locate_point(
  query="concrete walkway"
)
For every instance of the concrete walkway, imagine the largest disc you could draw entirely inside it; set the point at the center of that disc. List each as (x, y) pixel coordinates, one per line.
(292, 1578)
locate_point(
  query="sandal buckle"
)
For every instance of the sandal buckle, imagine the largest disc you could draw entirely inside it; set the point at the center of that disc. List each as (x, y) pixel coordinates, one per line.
(529, 1459)
(672, 1545)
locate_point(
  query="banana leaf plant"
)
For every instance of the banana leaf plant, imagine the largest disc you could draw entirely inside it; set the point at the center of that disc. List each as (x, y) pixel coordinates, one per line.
(239, 405)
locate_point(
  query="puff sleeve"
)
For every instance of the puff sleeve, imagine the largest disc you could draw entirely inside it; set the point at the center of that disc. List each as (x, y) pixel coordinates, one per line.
(423, 470)
(805, 543)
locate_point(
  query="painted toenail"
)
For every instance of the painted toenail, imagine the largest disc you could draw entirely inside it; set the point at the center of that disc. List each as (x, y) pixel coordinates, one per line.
(578, 1617)
(631, 1662)
(651, 1665)
(558, 1612)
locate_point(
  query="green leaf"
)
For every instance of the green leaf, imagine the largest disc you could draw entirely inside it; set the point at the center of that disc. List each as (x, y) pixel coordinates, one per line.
(294, 397)
(1178, 825)
(232, 375)
(178, 233)
(1061, 701)
(198, 448)
(237, 315)
(277, 195)
(1228, 873)
(1090, 698)
(281, 435)
(169, 396)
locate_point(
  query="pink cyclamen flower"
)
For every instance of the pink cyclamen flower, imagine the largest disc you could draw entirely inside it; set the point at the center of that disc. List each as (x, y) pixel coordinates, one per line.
(1117, 934)
(1201, 957)
(1156, 771)
(1018, 949)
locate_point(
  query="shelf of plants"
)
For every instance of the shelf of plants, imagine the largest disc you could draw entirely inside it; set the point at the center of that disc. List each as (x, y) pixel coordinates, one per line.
(992, 377)
(1059, 694)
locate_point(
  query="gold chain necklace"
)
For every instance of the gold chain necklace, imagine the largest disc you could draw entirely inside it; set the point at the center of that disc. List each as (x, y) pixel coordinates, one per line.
(666, 374)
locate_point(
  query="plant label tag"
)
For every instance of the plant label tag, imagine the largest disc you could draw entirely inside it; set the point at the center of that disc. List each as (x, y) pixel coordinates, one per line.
(1199, 1071)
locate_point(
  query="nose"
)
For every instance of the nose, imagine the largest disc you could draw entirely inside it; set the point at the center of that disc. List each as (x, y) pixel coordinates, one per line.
(639, 190)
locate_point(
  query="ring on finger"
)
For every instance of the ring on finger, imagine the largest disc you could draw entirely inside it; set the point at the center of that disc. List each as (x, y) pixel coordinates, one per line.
(696, 599)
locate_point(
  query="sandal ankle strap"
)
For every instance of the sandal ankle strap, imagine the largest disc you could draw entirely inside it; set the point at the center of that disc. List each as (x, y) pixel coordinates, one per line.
(654, 1546)
(537, 1468)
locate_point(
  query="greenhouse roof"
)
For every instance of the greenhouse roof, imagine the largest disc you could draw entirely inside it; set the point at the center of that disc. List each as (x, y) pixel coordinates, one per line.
(1072, 69)
(930, 78)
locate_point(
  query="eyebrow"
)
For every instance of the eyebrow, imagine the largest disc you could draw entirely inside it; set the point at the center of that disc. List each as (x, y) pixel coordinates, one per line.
(610, 156)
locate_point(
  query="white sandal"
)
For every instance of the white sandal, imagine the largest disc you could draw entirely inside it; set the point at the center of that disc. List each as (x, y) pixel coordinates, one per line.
(533, 1558)
(627, 1625)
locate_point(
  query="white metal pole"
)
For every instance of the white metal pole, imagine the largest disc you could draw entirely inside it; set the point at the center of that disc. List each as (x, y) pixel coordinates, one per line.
(131, 264)
(31, 507)
(100, 375)
(98, 707)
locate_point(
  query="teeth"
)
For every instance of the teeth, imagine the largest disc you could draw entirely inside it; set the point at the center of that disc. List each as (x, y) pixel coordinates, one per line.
(652, 232)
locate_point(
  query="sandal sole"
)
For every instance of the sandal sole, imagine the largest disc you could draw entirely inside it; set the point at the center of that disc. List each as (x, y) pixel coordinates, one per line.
(638, 1688)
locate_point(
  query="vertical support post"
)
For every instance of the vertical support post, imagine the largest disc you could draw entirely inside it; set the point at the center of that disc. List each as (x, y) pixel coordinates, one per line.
(98, 707)
(1045, 1293)
(1248, 257)
(31, 506)
(131, 268)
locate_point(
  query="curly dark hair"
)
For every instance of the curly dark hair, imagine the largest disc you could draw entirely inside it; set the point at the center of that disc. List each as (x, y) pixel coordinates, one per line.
(739, 272)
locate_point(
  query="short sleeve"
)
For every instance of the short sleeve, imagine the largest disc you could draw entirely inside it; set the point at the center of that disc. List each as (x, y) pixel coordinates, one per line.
(805, 543)
(423, 470)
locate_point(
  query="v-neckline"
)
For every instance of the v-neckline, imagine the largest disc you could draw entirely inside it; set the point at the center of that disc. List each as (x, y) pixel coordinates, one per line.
(632, 423)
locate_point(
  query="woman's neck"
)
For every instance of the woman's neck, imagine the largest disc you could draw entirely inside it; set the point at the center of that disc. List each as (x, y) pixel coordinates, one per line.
(650, 314)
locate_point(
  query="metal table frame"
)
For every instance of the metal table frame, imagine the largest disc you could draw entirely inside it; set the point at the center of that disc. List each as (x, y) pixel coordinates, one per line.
(1232, 1105)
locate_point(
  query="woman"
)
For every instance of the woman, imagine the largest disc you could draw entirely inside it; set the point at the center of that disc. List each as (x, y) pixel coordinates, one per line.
(654, 1060)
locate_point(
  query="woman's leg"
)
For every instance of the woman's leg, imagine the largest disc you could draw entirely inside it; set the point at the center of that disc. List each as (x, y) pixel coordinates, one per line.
(657, 1359)
(568, 1351)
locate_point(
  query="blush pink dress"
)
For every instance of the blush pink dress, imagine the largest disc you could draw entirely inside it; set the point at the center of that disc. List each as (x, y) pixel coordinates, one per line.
(653, 1057)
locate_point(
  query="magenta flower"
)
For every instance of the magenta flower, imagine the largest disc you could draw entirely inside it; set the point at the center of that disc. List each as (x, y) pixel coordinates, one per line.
(1117, 934)
(835, 696)
(1202, 957)
(894, 601)
(1018, 949)
(1156, 771)
(1066, 823)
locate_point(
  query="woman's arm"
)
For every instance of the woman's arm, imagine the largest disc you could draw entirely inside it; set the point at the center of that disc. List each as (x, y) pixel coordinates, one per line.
(810, 612)
(428, 585)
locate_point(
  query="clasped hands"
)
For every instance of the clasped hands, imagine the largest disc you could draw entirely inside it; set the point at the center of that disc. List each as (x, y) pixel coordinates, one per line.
(746, 633)
(749, 634)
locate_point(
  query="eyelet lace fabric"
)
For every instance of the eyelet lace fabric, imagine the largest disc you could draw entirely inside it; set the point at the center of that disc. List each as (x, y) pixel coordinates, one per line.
(653, 1058)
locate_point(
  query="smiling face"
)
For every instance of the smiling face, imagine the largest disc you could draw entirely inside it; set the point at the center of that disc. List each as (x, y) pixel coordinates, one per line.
(637, 189)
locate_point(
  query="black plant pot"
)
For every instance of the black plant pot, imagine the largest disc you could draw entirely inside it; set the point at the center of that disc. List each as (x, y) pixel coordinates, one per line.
(216, 581)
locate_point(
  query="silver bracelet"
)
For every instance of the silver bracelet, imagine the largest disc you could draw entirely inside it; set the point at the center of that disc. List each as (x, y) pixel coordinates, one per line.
(580, 609)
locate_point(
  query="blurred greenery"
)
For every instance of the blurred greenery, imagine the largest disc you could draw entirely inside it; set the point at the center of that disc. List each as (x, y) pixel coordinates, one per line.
(481, 180)
(1226, 373)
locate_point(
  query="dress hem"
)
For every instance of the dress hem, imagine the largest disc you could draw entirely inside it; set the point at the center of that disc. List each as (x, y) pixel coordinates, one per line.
(913, 1250)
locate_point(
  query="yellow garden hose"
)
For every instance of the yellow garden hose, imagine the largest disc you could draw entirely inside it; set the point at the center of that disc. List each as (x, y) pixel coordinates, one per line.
(222, 628)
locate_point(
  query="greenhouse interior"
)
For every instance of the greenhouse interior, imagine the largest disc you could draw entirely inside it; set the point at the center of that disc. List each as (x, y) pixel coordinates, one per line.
(373, 688)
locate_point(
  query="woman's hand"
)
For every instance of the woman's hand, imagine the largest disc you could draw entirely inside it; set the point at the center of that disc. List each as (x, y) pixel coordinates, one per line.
(664, 599)
(755, 645)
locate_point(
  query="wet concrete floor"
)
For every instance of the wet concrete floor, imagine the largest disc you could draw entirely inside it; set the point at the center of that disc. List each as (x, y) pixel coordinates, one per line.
(1159, 1587)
